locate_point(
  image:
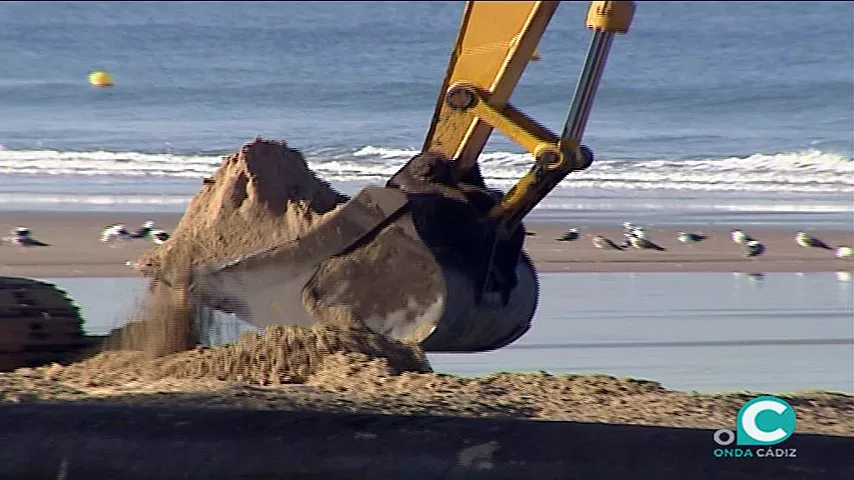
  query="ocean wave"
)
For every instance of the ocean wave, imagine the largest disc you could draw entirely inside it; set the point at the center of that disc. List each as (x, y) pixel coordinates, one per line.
(804, 171)
(13, 199)
(550, 207)
(658, 205)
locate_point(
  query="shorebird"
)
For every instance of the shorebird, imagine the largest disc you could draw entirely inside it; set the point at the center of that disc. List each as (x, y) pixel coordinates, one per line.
(806, 240)
(159, 236)
(143, 231)
(605, 244)
(22, 236)
(643, 243)
(569, 236)
(638, 232)
(754, 249)
(529, 233)
(691, 237)
(115, 232)
(739, 236)
(627, 240)
(844, 252)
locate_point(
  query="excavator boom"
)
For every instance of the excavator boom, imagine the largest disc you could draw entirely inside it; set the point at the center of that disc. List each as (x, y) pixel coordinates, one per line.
(494, 45)
(435, 257)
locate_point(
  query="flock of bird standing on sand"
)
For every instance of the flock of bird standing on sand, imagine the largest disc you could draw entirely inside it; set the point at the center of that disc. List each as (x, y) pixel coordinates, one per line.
(23, 236)
(635, 236)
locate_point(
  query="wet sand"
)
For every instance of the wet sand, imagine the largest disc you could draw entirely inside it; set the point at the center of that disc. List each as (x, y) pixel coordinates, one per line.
(75, 249)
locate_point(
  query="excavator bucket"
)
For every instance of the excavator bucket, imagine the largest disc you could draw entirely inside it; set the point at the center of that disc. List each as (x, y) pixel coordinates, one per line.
(368, 263)
(434, 257)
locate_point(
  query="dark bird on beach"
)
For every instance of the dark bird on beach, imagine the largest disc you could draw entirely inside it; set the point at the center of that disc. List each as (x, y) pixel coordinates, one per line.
(605, 244)
(806, 240)
(159, 236)
(642, 243)
(569, 236)
(22, 236)
(691, 237)
(143, 231)
(754, 249)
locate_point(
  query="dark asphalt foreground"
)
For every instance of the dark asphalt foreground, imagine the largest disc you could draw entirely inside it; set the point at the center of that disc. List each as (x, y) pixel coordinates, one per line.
(64, 441)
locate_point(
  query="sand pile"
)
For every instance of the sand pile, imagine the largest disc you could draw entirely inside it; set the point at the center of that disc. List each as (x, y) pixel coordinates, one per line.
(261, 196)
(347, 381)
(281, 355)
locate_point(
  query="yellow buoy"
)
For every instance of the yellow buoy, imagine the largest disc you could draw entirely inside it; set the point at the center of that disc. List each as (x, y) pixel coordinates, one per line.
(100, 78)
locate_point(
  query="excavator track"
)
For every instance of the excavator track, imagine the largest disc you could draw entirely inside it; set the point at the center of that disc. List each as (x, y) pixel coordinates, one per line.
(39, 324)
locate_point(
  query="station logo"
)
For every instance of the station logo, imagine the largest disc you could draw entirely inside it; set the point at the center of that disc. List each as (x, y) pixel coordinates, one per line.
(761, 424)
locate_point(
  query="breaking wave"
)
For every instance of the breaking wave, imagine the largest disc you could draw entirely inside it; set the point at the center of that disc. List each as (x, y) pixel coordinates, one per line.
(805, 171)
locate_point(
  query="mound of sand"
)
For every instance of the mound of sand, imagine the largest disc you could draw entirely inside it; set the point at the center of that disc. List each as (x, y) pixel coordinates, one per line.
(281, 355)
(349, 381)
(261, 196)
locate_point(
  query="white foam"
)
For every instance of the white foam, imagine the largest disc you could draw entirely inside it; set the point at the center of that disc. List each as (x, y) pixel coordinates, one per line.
(84, 199)
(699, 206)
(805, 171)
(51, 162)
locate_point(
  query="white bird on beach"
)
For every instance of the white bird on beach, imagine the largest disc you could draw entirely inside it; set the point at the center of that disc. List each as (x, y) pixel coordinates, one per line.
(844, 252)
(634, 230)
(159, 236)
(569, 236)
(691, 237)
(740, 237)
(603, 243)
(115, 232)
(806, 240)
(638, 232)
(22, 236)
(627, 240)
(754, 249)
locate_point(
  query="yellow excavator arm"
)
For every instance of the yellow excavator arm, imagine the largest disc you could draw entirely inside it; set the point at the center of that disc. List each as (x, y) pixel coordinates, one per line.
(495, 43)
(435, 257)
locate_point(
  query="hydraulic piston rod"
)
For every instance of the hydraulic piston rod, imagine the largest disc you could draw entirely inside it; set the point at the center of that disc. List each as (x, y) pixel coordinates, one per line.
(555, 156)
(607, 19)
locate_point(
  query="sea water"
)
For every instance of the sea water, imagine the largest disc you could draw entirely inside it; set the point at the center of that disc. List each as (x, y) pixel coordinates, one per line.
(704, 115)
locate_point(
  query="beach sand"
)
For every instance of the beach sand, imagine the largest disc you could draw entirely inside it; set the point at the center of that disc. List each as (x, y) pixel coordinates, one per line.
(76, 251)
